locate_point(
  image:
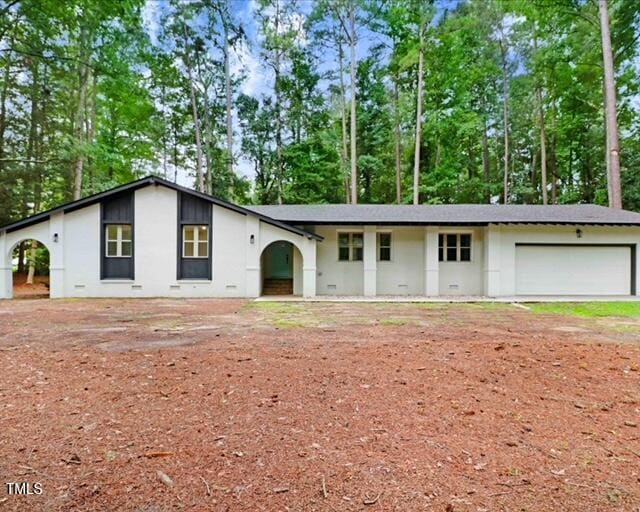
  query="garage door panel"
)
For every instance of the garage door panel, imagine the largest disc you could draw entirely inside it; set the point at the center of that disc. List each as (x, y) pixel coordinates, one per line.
(573, 270)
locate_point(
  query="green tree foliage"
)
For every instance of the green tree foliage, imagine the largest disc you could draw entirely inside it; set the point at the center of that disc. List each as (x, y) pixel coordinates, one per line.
(92, 95)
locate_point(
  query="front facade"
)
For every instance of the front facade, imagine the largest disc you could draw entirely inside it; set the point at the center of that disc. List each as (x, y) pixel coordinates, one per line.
(152, 238)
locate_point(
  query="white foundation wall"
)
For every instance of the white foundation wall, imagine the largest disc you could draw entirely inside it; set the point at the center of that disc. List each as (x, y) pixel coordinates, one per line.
(464, 277)
(404, 274)
(337, 277)
(501, 248)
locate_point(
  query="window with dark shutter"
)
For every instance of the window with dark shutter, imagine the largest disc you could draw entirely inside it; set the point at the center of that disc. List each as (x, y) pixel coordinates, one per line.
(194, 238)
(117, 237)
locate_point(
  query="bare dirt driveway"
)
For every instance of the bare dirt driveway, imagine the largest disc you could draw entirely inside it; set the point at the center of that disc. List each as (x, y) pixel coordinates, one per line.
(154, 405)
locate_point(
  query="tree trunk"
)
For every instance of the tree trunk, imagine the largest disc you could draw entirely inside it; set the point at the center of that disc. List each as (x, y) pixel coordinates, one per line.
(164, 134)
(32, 155)
(343, 112)
(543, 136)
(21, 253)
(194, 110)
(416, 157)
(505, 101)
(229, 106)
(398, 147)
(543, 148)
(613, 154)
(354, 163)
(79, 119)
(32, 262)
(3, 106)
(277, 87)
(486, 164)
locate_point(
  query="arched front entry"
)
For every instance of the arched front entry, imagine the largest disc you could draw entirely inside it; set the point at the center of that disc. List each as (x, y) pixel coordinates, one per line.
(30, 261)
(281, 269)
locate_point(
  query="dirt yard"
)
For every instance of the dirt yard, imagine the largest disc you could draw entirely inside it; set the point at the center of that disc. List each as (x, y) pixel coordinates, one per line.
(158, 405)
(22, 290)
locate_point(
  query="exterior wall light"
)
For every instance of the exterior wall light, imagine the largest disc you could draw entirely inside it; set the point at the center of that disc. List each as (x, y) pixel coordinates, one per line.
(579, 233)
(252, 239)
(55, 238)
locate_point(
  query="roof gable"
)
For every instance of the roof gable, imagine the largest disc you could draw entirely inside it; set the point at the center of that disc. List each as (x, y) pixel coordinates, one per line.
(145, 182)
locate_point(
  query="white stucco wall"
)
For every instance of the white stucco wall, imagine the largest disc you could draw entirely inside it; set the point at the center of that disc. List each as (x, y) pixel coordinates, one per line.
(404, 274)
(155, 235)
(337, 277)
(75, 258)
(464, 277)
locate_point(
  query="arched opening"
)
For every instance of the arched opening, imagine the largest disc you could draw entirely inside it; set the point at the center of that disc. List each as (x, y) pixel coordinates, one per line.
(30, 262)
(281, 269)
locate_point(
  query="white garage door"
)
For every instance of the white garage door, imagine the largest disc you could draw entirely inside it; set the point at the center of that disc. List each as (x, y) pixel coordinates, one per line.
(573, 270)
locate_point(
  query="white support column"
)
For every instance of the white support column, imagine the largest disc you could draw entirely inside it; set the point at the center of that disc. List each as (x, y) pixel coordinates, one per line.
(55, 245)
(431, 263)
(370, 261)
(492, 261)
(253, 283)
(6, 278)
(309, 268)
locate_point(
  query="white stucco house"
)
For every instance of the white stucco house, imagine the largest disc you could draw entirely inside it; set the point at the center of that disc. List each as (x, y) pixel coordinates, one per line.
(153, 238)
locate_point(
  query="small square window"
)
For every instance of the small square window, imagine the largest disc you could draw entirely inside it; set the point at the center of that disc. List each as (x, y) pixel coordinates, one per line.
(118, 238)
(350, 246)
(195, 241)
(454, 247)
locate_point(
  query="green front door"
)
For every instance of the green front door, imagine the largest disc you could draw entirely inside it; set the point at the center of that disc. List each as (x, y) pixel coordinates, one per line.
(281, 261)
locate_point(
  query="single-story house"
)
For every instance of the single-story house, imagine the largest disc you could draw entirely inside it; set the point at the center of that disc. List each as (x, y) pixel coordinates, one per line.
(153, 238)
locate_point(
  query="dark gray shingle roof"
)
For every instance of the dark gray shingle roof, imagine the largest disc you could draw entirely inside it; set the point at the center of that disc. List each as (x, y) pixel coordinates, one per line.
(448, 214)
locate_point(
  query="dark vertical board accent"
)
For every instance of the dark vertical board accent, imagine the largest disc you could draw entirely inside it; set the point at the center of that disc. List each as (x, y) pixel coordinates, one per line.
(194, 211)
(119, 209)
(179, 238)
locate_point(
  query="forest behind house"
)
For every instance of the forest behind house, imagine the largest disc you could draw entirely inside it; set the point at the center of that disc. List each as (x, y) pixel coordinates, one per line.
(370, 101)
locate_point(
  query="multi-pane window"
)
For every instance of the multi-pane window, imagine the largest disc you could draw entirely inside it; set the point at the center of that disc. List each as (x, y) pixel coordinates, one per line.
(195, 242)
(454, 247)
(118, 237)
(350, 246)
(384, 246)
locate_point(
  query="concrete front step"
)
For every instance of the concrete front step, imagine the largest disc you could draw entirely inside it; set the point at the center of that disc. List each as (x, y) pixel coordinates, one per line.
(277, 287)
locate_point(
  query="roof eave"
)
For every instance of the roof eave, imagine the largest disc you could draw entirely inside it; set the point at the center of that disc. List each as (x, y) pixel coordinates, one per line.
(143, 182)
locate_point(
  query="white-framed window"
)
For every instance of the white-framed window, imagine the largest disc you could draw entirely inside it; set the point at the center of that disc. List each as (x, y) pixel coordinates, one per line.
(350, 246)
(195, 241)
(384, 246)
(454, 247)
(118, 240)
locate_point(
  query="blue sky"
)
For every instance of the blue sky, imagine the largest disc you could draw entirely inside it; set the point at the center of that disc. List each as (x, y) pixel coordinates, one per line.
(246, 59)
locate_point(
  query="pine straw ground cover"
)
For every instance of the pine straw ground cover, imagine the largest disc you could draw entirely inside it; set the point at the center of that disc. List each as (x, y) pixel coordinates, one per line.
(154, 405)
